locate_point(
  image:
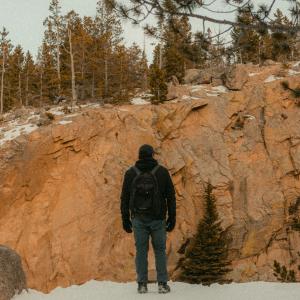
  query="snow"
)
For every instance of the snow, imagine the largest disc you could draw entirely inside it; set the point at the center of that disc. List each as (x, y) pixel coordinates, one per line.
(220, 89)
(212, 95)
(17, 131)
(91, 105)
(293, 72)
(64, 122)
(139, 101)
(253, 74)
(72, 115)
(272, 78)
(100, 290)
(296, 64)
(56, 110)
(196, 88)
(186, 97)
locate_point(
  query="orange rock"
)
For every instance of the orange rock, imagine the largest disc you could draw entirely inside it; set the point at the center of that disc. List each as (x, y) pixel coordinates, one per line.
(60, 189)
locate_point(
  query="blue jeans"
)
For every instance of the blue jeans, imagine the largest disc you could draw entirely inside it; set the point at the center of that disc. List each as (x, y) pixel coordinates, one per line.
(142, 231)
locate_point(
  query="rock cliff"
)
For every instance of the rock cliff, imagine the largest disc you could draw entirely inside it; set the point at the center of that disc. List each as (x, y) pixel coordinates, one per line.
(60, 185)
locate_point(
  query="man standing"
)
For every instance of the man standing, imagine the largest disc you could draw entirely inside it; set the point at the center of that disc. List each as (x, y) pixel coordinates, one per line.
(147, 196)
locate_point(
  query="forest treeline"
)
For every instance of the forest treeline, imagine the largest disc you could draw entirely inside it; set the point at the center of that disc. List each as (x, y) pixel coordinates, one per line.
(80, 58)
(85, 58)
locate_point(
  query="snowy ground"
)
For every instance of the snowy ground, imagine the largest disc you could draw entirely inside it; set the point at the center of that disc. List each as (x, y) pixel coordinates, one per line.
(105, 290)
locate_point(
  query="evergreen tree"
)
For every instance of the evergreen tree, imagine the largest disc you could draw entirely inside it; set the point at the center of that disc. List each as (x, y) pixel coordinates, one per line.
(206, 260)
(245, 41)
(5, 49)
(53, 37)
(177, 50)
(200, 50)
(282, 41)
(15, 75)
(30, 78)
(157, 78)
(110, 33)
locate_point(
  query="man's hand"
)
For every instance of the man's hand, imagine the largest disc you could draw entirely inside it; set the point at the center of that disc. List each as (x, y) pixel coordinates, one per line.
(171, 221)
(127, 225)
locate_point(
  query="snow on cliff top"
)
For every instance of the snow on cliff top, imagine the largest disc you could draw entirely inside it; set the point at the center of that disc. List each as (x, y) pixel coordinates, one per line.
(100, 290)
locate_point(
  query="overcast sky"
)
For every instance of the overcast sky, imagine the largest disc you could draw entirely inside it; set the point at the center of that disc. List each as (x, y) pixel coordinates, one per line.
(24, 20)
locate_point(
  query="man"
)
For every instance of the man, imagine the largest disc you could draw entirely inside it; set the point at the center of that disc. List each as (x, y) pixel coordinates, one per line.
(148, 218)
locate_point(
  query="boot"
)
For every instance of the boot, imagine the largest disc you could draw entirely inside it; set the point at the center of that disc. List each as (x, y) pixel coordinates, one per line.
(163, 288)
(142, 288)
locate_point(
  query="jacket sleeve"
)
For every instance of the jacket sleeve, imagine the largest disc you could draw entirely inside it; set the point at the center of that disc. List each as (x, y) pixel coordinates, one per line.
(171, 198)
(125, 196)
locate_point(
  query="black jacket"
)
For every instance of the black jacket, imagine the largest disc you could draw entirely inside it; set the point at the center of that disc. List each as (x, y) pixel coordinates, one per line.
(165, 186)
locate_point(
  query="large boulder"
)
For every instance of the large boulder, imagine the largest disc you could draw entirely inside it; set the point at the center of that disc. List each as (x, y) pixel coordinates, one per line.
(205, 76)
(235, 77)
(12, 276)
(196, 76)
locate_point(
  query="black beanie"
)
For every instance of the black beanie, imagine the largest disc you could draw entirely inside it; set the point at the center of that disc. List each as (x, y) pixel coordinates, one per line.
(145, 151)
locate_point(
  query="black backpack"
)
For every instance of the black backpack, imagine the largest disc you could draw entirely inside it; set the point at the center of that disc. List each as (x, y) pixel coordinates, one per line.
(144, 194)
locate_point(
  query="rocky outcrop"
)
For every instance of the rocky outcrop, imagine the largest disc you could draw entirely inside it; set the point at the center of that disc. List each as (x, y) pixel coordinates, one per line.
(235, 77)
(60, 186)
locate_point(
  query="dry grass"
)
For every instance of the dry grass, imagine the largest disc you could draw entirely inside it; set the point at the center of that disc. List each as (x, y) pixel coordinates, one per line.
(12, 276)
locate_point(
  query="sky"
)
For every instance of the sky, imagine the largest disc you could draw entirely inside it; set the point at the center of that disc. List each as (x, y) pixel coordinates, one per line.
(24, 20)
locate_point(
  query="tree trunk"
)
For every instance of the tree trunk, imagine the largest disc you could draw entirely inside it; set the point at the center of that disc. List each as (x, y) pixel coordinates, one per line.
(74, 94)
(26, 89)
(41, 88)
(106, 77)
(58, 68)
(20, 88)
(93, 85)
(2, 80)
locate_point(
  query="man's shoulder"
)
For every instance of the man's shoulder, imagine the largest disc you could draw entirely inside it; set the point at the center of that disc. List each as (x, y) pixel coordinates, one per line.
(162, 167)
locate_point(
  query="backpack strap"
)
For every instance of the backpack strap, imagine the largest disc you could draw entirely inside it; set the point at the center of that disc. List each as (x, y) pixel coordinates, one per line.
(153, 171)
(138, 171)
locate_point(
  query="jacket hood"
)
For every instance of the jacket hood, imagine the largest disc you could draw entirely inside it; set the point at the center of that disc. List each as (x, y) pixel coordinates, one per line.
(145, 164)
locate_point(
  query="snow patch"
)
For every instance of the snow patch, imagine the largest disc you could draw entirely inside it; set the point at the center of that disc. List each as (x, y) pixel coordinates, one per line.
(196, 88)
(293, 72)
(91, 105)
(212, 95)
(99, 290)
(253, 74)
(220, 89)
(56, 110)
(72, 115)
(186, 97)
(139, 101)
(272, 78)
(64, 122)
(296, 64)
(17, 131)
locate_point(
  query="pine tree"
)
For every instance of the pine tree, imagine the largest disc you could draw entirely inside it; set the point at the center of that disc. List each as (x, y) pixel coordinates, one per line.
(177, 47)
(53, 37)
(157, 78)
(245, 41)
(109, 30)
(206, 260)
(5, 49)
(282, 41)
(200, 50)
(30, 78)
(15, 75)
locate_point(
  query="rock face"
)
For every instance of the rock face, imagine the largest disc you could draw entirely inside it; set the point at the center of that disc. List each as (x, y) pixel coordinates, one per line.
(60, 187)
